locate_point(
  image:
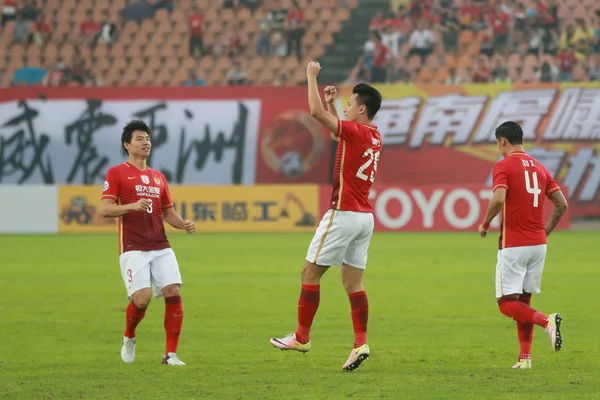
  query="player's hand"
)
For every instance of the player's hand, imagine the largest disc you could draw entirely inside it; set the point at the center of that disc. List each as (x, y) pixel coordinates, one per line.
(189, 226)
(482, 231)
(330, 94)
(313, 69)
(142, 205)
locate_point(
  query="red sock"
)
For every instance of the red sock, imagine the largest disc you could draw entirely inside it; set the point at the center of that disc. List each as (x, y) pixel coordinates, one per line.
(308, 304)
(360, 316)
(173, 322)
(525, 331)
(133, 316)
(521, 312)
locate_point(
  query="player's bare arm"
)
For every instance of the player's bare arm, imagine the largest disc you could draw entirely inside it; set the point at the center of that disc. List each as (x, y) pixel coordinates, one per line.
(560, 207)
(110, 209)
(330, 96)
(175, 220)
(493, 210)
(317, 110)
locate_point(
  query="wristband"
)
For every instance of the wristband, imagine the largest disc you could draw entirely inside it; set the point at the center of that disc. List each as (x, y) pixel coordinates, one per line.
(485, 225)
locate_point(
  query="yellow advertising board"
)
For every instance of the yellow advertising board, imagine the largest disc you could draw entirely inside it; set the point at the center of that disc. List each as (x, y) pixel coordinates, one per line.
(261, 208)
(79, 210)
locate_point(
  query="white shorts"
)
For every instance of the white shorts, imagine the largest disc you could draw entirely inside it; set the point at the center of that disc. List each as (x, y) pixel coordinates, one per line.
(144, 269)
(342, 237)
(519, 269)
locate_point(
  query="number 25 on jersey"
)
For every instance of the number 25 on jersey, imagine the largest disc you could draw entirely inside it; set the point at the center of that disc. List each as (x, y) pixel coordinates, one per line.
(372, 158)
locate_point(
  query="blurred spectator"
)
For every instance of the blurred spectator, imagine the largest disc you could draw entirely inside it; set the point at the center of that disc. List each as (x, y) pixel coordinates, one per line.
(453, 79)
(233, 43)
(547, 73)
(594, 69)
(481, 73)
(583, 37)
(277, 16)
(566, 63)
(295, 24)
(252, 5)
(78, 73)
(56, 74)
(89, 29)
(499, 21)
(278, 48)
(263, 45)
(166, 4)
(378, 22)
(237, 74)
(193, 79)
(230, 3)
(280, 80)
(108, 30)
(138, 10)
(450, 28)
(21, 29)
(535, 40)
(499, 73)
(30, 11)
(486, 45)
(41, 31)
(421, 41)
(196, 26)
(29, 75)
(391, 39)
(359, 73)
(9, 11)
(380, 55)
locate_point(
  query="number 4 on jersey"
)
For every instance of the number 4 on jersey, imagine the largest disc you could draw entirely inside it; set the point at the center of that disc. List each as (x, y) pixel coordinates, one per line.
(533, 187)
(373, 158)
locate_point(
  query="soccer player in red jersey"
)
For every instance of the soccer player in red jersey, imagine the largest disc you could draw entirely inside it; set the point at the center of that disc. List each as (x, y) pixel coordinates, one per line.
(520, 184)
(343, 235)
(139, 197)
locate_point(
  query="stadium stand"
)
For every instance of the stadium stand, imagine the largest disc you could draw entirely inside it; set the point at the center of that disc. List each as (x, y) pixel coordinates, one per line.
(218, 42)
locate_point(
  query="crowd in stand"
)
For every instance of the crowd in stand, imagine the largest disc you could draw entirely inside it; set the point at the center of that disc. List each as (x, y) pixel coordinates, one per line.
(236, 42)
(451, 41)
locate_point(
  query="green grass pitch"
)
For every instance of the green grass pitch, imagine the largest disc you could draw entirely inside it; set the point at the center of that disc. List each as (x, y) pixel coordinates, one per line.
(435, 331)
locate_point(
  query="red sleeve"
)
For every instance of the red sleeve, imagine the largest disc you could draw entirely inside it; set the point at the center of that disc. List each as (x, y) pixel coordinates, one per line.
(112, 185)
(500, 177)
(551, 185)
(347, 130)
(165, 198)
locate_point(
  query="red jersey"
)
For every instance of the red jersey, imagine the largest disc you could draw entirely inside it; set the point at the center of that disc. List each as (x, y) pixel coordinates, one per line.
(196, 22)
(139, 230)
(526, 182)
(380, 55)
(355, 166)
(88, 28)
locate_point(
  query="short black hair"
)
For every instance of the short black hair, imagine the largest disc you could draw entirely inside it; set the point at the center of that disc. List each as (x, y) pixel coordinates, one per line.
(511, 131)
(135, 125)
(368, 96)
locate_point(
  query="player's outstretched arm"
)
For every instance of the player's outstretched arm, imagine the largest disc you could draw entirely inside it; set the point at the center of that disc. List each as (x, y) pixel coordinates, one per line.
(314, 99)
(493, 209)
(330, 95)
(175, 220)
(110, 209)
(560, 207)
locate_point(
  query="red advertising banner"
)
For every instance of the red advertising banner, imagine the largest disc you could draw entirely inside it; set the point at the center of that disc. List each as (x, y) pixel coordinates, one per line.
(442, 208)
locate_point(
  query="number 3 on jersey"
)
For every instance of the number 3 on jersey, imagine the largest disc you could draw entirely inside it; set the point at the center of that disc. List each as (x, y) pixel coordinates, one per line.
(533, 187)
(149, 210)
(373, 158)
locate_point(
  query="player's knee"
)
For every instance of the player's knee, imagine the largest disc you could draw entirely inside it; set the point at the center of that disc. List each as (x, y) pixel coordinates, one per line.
(142, 299)
(311, 273)
(171, 290)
